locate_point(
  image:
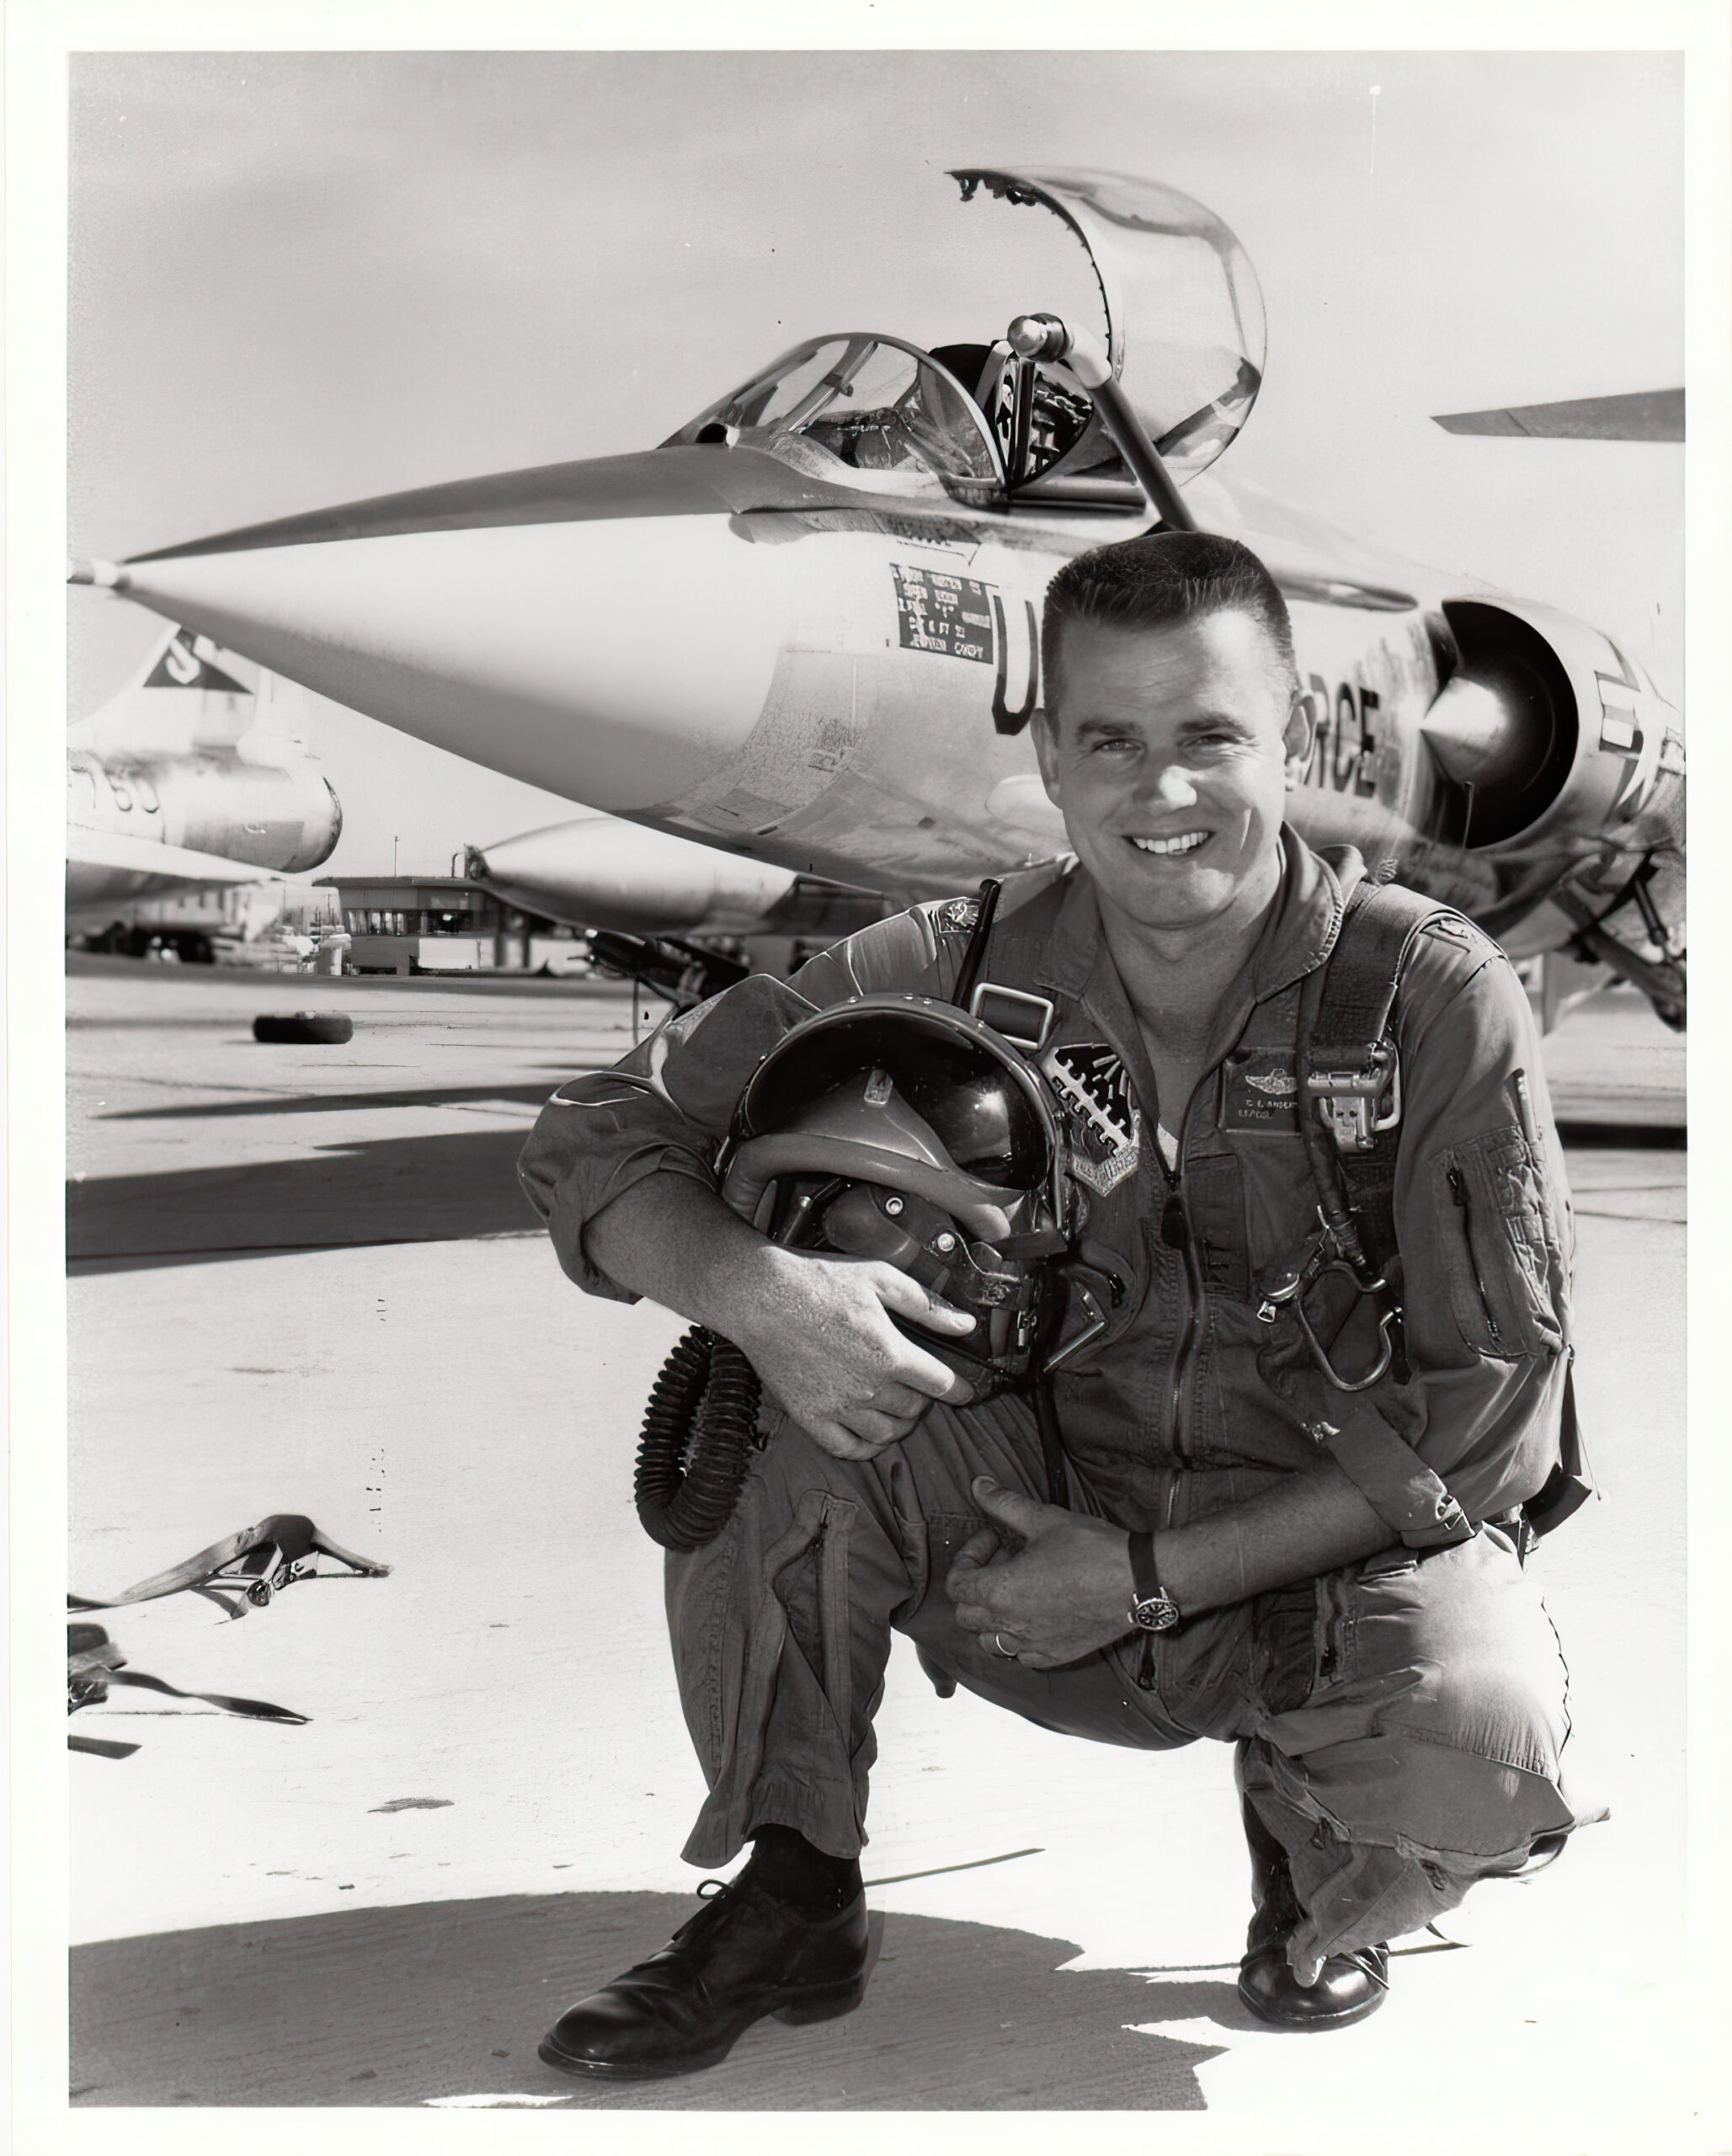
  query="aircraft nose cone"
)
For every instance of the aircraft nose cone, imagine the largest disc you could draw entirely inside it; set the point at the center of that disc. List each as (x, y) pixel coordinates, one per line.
(617, 662)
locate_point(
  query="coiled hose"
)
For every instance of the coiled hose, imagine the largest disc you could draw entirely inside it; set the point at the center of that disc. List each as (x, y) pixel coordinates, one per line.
(699, 1430)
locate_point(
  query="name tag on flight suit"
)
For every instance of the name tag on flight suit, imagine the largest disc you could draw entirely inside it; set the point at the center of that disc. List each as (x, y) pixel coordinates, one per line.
(1258, 1091)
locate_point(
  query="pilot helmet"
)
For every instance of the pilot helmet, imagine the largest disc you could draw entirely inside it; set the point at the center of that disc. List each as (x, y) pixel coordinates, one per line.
(899, 1127)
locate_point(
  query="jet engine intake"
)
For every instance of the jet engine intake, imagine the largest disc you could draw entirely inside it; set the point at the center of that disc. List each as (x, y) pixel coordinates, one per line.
(1506, 725)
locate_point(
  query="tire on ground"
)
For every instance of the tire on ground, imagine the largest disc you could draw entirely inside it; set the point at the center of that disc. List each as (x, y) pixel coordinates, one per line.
(303, 1028)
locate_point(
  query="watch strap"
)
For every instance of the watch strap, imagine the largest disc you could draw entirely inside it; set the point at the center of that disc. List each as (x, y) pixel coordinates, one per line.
(1153, 1609)
(1145, 1578)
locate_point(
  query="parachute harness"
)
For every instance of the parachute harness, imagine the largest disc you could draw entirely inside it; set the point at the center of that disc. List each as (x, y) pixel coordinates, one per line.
(251, 1566)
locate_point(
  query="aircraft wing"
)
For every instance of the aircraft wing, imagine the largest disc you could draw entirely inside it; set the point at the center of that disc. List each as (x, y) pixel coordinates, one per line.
(1645, 416)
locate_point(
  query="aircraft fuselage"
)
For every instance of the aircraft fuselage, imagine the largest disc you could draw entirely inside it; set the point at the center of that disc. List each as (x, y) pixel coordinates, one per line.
(712, 643)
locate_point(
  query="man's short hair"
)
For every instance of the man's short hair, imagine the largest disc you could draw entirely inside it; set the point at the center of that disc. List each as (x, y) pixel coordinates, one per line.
(1158, 581)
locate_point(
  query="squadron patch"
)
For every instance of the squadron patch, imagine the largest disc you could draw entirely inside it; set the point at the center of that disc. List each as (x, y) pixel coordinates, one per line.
(1103, 1124)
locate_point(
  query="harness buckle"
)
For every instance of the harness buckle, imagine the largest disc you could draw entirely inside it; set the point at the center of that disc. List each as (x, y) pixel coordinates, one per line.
(260, 1574)
(1357, 1105)
(1025, 1020)
(1096, 1326)
(1290, 1284)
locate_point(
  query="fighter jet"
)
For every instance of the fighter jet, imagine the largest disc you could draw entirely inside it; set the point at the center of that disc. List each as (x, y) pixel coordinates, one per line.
(804, 628)
(190, 778)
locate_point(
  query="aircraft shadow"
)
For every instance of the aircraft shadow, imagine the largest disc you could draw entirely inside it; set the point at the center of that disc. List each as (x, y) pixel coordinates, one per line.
(531, 1094)
(445, 2002)
(448, 1188)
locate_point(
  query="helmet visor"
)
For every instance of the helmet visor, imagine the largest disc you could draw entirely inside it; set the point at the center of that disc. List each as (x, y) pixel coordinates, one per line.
(978, 1099)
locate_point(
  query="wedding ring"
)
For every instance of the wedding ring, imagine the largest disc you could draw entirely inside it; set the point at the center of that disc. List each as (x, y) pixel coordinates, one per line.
(1008, 1653)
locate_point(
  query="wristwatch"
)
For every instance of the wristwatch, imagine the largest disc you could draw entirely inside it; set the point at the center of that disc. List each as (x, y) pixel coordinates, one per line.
(1153, 1609)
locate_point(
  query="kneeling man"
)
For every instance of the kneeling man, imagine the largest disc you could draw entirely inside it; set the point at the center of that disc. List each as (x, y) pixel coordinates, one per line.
(1289, 1512)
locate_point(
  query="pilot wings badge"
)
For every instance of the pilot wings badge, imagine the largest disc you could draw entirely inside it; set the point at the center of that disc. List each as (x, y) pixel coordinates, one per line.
(1103, 1124)
(1259, 1091)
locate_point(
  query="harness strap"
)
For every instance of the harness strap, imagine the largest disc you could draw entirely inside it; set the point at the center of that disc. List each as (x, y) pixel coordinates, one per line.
(95, 1662)
(1346, 1032)
(974, 953)
(1052, 1443)
(968, 982)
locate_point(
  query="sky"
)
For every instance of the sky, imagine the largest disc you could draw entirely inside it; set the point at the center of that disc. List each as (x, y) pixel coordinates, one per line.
(298, 279)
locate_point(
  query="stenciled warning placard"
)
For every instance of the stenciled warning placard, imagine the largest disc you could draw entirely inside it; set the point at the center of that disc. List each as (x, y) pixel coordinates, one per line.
(947, 613)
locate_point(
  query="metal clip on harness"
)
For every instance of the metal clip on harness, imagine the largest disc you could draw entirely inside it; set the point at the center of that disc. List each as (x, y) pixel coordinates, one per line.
(1357, 1104)
(1322, 1256)
(1353, 1105)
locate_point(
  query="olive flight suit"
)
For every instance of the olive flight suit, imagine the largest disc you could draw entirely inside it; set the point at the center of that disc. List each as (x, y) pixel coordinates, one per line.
(1399, 1722)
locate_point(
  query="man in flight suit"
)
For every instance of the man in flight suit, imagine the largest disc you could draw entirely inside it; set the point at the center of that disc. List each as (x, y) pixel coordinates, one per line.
(1332, 1583)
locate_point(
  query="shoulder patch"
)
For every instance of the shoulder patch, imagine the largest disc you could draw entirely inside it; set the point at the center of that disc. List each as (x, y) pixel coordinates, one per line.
(955, 915)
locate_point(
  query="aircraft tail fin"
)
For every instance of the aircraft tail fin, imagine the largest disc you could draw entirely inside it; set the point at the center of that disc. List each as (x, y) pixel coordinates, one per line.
(189, 693)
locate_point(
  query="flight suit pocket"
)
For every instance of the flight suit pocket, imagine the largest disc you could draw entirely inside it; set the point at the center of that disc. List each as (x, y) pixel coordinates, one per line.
(1497, 1256)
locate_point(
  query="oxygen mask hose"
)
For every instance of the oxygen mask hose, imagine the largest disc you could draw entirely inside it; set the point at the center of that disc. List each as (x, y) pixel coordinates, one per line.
(700, 1425)
(699, 1430)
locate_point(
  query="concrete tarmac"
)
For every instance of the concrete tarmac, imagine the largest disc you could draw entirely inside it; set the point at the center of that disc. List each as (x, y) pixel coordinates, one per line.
(303, 1280)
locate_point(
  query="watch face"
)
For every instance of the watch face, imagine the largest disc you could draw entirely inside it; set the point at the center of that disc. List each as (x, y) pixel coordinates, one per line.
(1158, 1613)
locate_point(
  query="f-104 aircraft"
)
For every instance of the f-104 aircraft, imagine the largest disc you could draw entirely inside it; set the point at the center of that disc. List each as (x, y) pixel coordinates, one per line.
(804, 628)
(191, 778)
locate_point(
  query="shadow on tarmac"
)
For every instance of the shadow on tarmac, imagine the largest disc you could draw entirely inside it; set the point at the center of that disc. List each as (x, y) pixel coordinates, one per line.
(531, 1095)
(448, 2000)
(390, 1190)
(1661, 1136)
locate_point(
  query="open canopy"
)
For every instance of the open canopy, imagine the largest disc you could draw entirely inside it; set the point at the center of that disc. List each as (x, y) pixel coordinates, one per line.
(1185, 327)
(1185, 333)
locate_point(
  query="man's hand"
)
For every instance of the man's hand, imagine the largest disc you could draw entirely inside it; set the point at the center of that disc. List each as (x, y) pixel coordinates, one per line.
(1065, 1592)
(814, 1326)
(817, 1330)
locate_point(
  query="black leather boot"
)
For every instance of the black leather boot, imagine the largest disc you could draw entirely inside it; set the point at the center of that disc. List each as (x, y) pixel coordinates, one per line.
(742, 1955)
(1348, 1987)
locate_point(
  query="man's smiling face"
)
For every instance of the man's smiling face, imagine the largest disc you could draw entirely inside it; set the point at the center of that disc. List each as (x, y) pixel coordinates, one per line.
(1169, 752)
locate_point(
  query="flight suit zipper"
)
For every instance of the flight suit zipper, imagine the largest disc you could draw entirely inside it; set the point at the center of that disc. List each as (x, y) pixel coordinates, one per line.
(1173, 1430)
(1179, 1370)
(1151, 1661)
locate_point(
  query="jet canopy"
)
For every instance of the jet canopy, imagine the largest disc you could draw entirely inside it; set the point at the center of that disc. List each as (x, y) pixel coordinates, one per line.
(1185, 322)
(1185, 335)
(873, 404)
